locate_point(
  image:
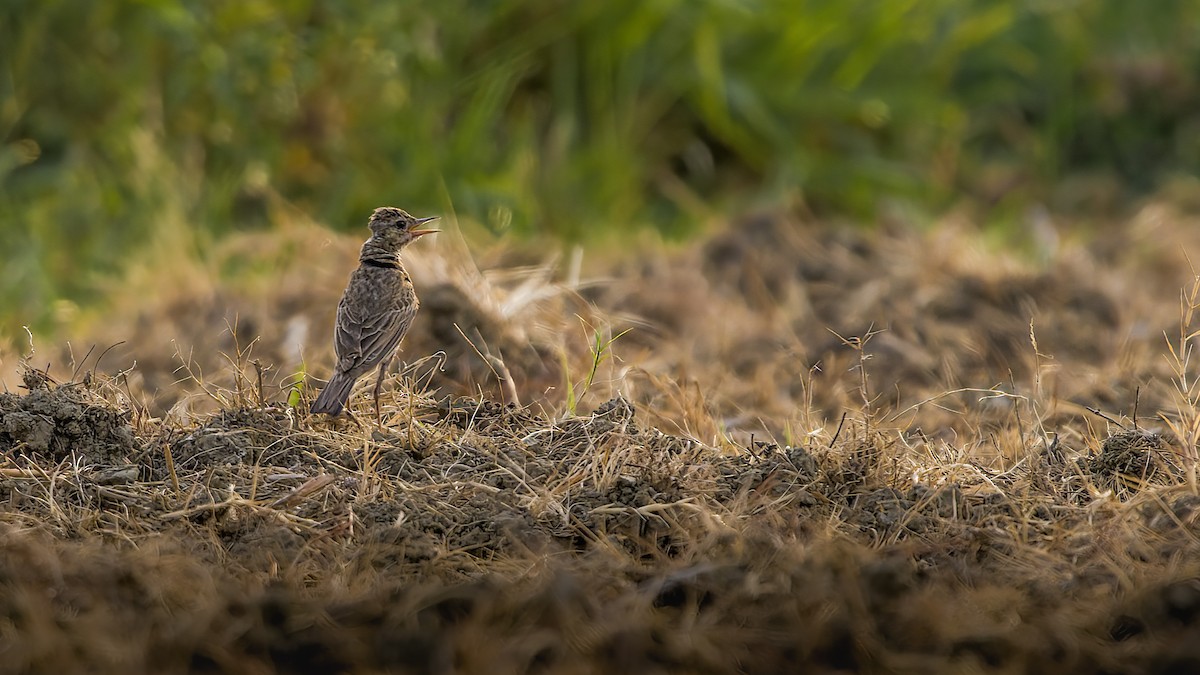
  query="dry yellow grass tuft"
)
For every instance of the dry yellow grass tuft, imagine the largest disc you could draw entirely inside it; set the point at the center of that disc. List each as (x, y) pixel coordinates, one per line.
(885, 452)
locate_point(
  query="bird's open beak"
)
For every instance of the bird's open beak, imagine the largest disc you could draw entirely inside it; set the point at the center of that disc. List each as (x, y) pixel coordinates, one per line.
(422, 221)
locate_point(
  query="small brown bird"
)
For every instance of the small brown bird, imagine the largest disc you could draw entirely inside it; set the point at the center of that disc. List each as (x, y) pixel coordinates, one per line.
(376, 309)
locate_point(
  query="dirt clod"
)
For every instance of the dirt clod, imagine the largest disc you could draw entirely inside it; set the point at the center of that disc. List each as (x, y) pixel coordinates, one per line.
(1131, 459)
(61, 423)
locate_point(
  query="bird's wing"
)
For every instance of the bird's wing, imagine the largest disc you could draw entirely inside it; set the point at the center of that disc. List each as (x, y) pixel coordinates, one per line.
(363, 341)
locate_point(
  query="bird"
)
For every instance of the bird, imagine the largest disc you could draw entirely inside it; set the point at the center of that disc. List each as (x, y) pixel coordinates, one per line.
(376, 310)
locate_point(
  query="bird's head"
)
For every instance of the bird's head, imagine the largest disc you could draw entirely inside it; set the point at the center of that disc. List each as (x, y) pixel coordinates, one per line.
(396, 226)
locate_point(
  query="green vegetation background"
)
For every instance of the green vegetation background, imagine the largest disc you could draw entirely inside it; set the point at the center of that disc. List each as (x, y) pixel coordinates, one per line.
(122, 118)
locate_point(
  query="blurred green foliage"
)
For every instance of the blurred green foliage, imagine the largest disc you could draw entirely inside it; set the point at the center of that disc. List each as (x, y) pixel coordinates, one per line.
(551, 116)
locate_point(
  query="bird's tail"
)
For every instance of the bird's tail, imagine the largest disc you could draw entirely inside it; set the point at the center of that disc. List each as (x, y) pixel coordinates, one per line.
(333, 397)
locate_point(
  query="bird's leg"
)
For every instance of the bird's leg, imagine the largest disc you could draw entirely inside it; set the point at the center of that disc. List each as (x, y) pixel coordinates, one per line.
(378, 386)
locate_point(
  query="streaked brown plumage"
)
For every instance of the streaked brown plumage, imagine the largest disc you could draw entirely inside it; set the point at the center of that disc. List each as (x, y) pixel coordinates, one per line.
(376, 309)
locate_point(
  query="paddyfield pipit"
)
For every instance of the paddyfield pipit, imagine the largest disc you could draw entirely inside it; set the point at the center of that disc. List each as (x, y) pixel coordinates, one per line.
(376, 309)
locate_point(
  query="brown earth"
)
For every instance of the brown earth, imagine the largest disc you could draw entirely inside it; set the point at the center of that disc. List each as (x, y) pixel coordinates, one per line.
(816, 450)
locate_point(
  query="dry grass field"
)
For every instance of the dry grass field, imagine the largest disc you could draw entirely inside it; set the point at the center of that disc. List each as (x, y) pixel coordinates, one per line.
(786, 447)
